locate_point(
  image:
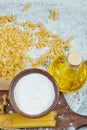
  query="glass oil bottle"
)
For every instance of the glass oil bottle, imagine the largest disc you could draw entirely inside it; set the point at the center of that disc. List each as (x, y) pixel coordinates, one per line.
(70, 72)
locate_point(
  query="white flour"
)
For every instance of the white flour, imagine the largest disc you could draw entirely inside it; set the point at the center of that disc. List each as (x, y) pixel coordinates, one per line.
(34, 93)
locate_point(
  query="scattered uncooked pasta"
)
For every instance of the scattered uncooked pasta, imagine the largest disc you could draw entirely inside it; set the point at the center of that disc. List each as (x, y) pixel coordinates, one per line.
(26, 7)
(54, 14)
(4, 19)
(16, 40)
(2, 106)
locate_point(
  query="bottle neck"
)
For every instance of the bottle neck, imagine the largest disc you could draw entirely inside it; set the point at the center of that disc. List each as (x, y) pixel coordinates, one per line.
(72, 67)
(74, 61)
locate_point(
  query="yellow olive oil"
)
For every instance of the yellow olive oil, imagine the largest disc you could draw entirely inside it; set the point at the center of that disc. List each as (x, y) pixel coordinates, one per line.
(70, 72)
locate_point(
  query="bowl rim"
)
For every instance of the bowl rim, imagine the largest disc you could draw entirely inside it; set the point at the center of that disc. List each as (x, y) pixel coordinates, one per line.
(18, 77)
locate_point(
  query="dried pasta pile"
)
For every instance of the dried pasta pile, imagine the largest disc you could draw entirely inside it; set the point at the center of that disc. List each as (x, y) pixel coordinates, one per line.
(16, 39)
(17, 121)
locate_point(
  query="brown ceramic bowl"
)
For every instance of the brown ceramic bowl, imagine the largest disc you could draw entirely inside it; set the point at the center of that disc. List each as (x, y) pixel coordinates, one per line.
(18, 77)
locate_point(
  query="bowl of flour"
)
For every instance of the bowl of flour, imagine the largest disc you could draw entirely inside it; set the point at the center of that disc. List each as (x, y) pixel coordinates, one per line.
(33, 93)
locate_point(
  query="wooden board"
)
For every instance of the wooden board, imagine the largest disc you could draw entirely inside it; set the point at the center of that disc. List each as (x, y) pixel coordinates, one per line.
(66, 118)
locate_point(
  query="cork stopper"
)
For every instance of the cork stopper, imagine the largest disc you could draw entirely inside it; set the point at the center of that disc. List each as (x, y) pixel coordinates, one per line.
(75, 58)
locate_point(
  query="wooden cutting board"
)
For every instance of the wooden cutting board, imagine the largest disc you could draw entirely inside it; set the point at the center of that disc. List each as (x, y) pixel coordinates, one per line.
(66, 118)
